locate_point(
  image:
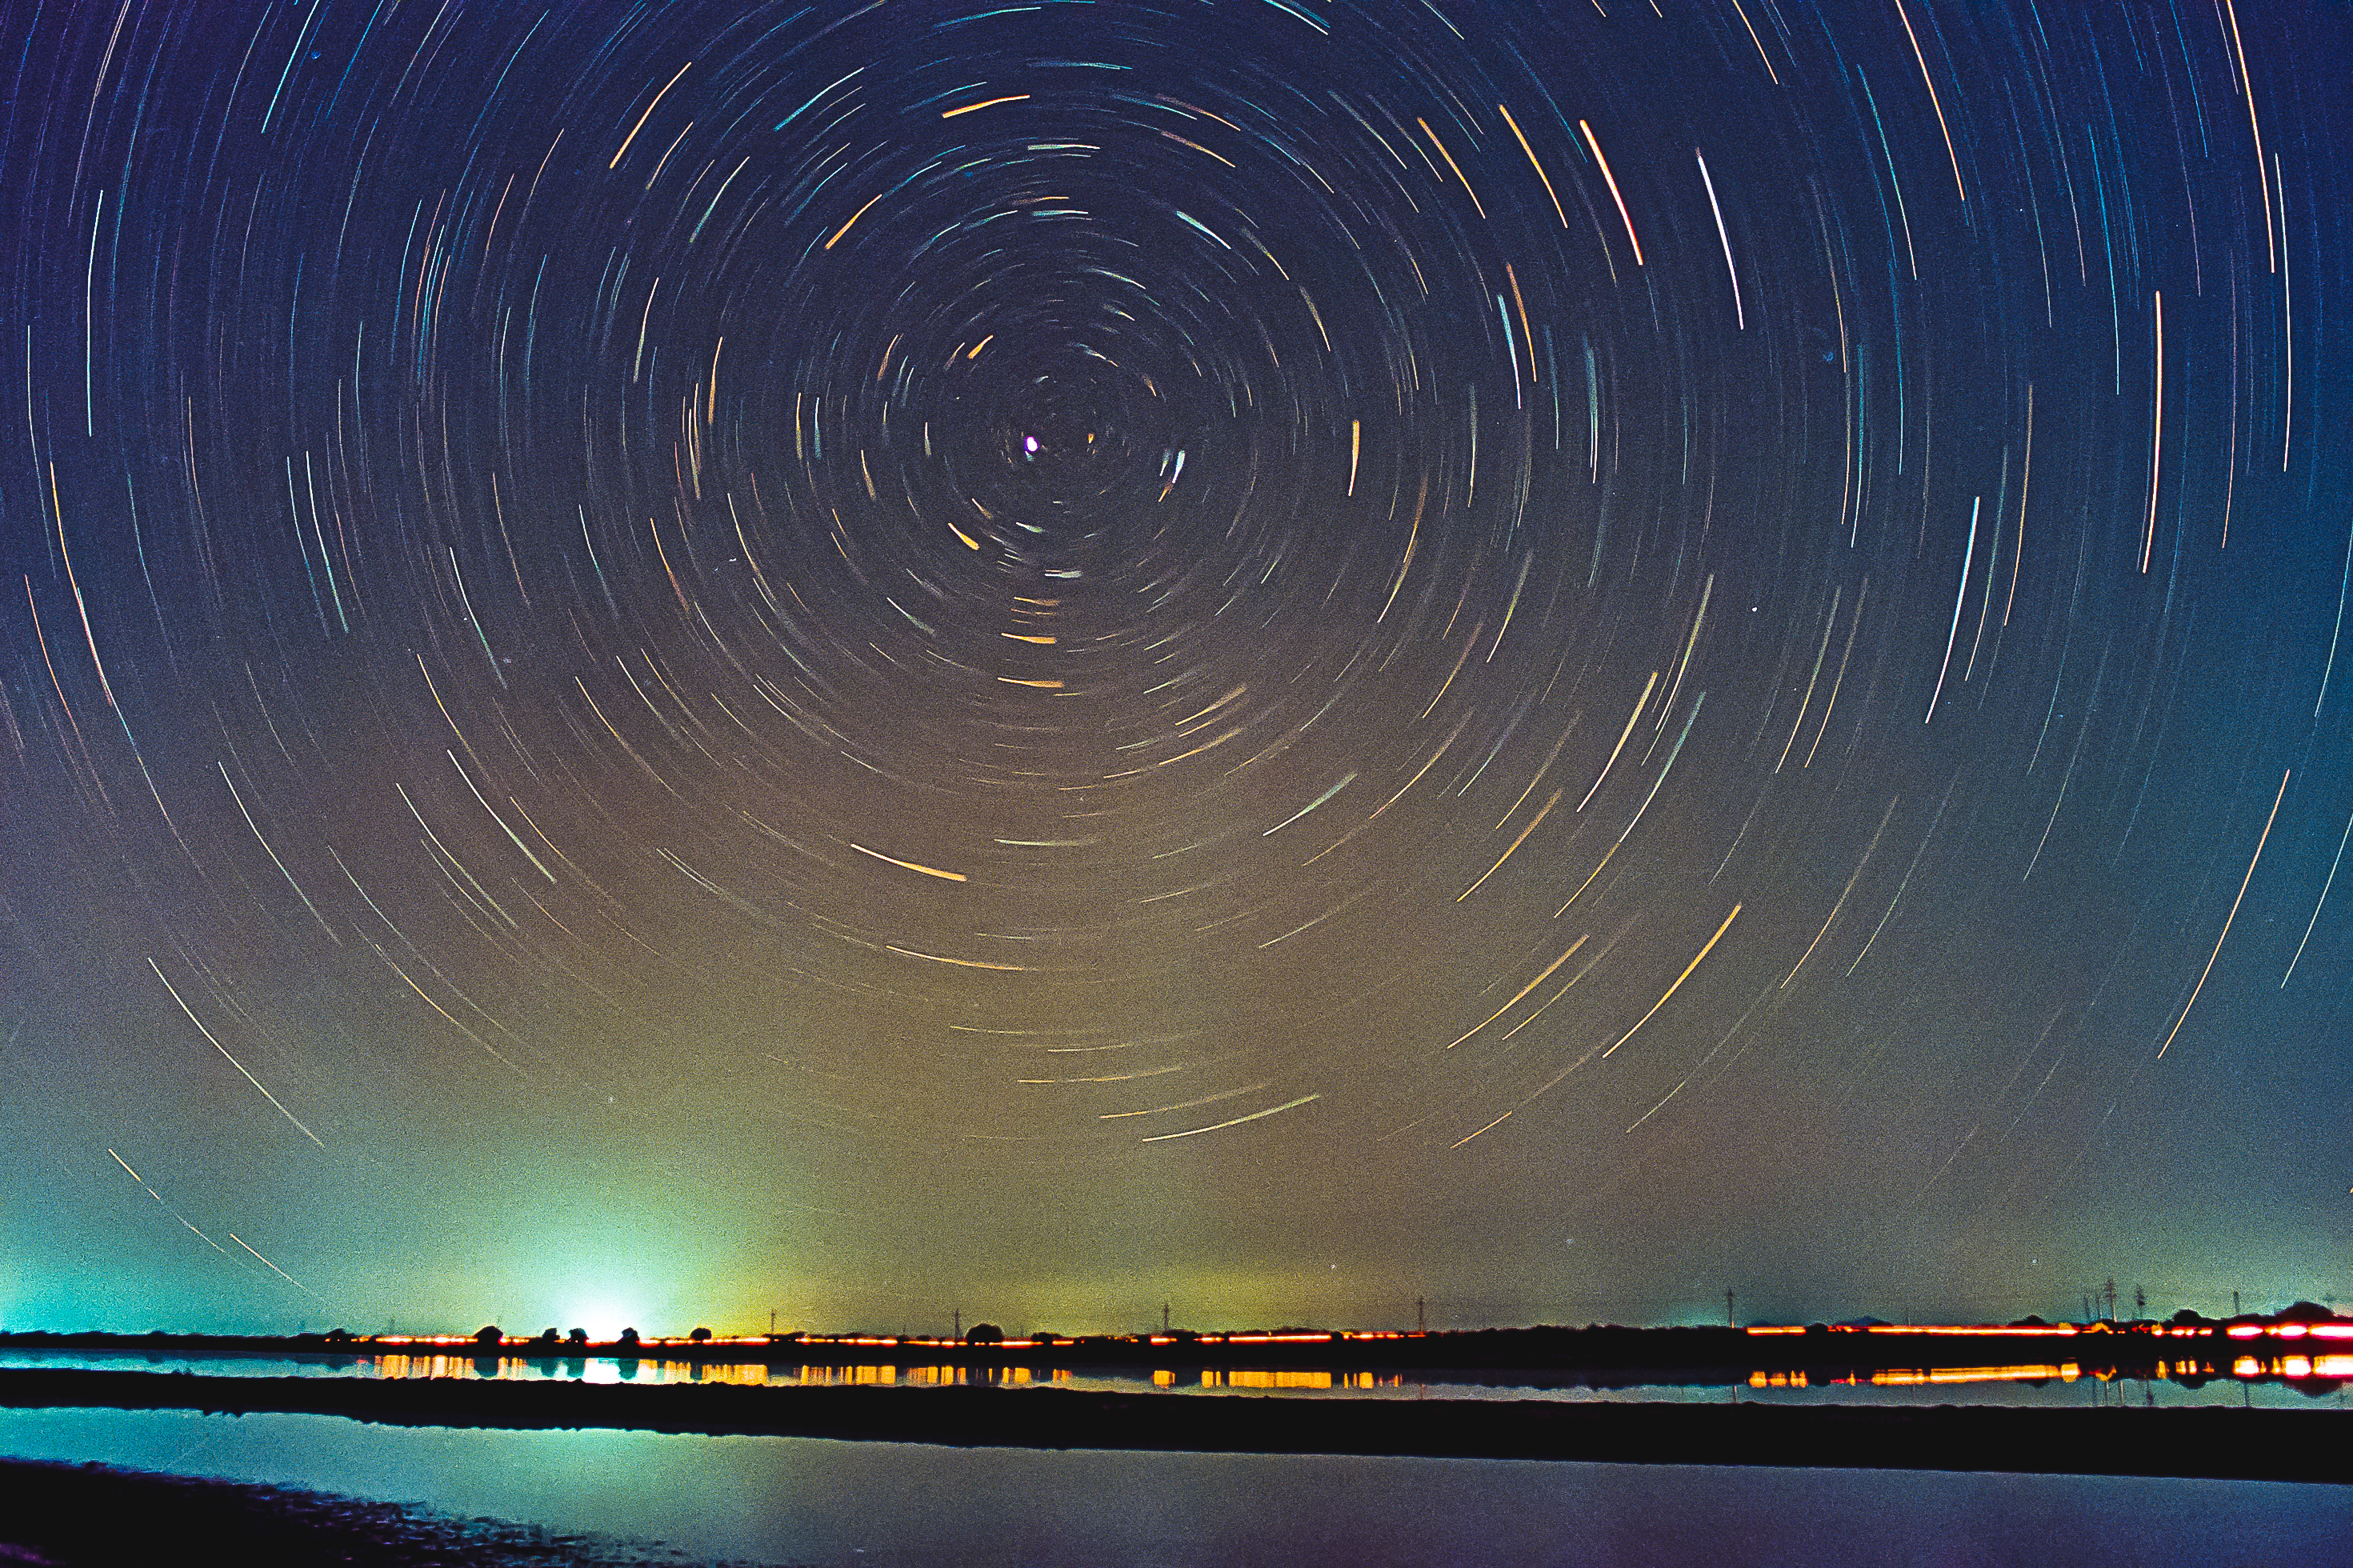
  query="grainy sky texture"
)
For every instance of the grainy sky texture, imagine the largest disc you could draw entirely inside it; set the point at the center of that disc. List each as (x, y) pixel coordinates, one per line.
(1276, 655)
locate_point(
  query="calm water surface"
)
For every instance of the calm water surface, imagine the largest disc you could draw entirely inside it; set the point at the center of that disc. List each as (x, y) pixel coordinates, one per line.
(812, 1501)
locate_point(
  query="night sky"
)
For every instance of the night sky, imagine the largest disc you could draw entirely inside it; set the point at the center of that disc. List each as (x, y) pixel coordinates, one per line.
(1274, 655)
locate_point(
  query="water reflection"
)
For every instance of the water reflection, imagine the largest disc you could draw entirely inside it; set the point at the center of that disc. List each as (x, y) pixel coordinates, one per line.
(807, 1501)
(2295, 1380)
(2322, 1369)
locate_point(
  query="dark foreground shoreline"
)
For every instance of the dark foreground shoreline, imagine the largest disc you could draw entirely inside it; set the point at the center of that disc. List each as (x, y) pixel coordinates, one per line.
(93, 1516)
(2213, 1443)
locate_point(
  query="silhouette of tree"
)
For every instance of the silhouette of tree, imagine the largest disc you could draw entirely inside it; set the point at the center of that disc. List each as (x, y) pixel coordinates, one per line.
(629, 1337)
(488, 1334)
(577, 1337)
(984, 1334)
(701, 1336)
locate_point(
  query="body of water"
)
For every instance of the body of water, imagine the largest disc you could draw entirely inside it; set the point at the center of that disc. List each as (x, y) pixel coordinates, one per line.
(791, 1500)
(2279, 1382)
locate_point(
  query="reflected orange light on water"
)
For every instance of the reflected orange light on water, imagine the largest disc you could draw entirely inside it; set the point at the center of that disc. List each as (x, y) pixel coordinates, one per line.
(849, 1377)
(2294, 1368)
(1257, 1378)
(1892, 1377)
(754, 1375)
(1271, 1378)
(950, 1376)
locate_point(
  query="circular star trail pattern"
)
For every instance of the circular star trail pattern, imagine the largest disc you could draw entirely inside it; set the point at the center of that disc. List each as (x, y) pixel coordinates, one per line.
(1256, 635)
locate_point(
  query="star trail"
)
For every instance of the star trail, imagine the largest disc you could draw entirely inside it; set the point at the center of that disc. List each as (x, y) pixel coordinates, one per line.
(1279, 654)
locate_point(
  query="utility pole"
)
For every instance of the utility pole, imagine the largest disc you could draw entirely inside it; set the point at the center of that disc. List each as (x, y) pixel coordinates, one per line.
(1420, 1316)
(2140, 1303)
(959, 1322)
(1729, 1321)
(1164, 1317)
(772, 1322)
(2110, 1292)
(2234, 1303)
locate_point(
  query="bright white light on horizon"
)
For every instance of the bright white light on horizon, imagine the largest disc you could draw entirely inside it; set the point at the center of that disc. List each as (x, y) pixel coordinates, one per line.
(604, 1321)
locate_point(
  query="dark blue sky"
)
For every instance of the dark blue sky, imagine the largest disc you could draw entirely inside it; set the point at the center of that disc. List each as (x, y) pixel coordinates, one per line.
(1280, 656)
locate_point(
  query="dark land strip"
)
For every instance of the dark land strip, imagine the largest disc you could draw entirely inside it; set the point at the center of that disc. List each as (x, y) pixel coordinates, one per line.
(2218, 1443)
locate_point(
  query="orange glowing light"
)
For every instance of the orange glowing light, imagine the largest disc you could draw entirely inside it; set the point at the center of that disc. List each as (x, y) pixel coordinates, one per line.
(2025, 1331)
(1901, 1378)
